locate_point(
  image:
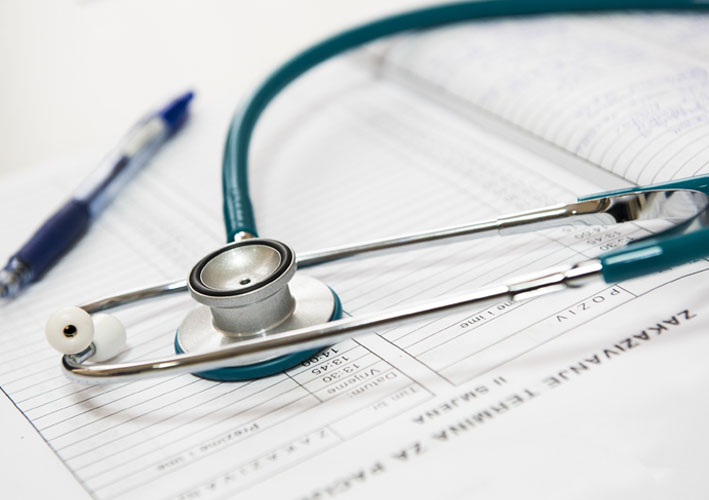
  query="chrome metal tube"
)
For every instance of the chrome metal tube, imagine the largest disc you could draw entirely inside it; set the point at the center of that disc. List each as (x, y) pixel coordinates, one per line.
(123, 299)
(530, 220)
(249, 351)
(674, 206)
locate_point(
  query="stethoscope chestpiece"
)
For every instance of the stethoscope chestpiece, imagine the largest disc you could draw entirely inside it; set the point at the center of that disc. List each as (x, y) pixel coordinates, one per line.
(247, 290)
(245, 285)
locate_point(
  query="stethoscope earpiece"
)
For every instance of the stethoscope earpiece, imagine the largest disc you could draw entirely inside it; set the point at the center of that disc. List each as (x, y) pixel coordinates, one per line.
(72, 330)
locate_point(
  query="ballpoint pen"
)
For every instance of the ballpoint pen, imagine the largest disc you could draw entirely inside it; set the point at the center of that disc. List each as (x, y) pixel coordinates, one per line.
(70, 222)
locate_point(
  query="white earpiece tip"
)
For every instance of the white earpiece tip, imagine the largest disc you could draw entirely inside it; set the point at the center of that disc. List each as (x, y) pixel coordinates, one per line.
(110, 337)
(69, 330)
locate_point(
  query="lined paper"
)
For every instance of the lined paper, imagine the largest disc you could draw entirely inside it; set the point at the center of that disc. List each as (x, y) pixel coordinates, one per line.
(628, 93)
(415, 411)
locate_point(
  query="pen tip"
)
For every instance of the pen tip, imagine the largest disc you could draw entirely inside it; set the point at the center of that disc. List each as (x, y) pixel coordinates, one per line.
(175, 113)
(184, 99)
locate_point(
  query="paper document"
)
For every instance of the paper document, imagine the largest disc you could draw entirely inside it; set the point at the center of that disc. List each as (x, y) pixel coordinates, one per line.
(596, 392)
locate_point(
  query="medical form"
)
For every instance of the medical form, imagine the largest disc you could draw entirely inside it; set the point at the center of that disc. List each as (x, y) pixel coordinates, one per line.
(596, 392)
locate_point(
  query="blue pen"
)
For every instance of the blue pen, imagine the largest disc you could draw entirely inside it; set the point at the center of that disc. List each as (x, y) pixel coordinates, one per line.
(70, 222)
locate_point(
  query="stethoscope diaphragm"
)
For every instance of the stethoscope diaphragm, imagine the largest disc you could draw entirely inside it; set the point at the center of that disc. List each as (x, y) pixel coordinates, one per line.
(248, 290)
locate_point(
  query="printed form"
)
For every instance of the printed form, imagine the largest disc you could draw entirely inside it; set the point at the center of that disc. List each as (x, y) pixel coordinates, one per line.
(597, 391)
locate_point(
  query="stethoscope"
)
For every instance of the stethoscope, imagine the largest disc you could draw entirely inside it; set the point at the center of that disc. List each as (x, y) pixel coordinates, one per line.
(257, 316)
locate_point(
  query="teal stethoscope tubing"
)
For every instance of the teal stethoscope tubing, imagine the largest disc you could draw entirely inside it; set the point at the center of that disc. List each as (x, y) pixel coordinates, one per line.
(238, 210)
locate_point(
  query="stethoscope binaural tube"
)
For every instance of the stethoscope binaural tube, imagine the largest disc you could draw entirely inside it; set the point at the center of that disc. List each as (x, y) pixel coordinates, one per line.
(309, 339)
(290, 334)
(684, 203)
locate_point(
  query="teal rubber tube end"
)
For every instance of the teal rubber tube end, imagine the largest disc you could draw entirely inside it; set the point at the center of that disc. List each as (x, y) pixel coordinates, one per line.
(654, 255)
(684, 243)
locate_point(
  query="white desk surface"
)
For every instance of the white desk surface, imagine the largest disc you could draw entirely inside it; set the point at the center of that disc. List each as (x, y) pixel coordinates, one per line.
(77, 73)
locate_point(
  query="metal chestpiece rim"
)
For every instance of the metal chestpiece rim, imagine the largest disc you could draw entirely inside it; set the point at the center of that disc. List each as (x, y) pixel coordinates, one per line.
(245, 285)
(250, 289)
